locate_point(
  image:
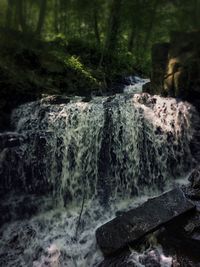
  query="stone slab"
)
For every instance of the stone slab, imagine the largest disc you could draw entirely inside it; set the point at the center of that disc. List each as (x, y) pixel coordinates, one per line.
(133, 225)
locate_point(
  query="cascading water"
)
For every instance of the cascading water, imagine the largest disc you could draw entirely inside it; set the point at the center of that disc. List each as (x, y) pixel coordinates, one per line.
(91, 158)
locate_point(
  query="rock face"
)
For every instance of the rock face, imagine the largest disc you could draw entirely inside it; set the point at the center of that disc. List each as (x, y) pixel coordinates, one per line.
(193, 190)
(133, 225)
(184, 237)
(176, 66)
(19, 206)
(8, 140)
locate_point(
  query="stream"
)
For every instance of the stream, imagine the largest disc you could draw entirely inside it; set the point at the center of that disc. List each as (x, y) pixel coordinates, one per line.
(76, 164)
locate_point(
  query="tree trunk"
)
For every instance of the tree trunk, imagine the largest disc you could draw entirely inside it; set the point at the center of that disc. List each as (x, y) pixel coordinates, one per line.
(151, 23)
(41, 20)
(56, 27)
(21, 16)
(113, 26)
(96, 26)
(9, 14)
(112, 29)
(63, 16)
(196, 14)
(131, 40)
(134, 26)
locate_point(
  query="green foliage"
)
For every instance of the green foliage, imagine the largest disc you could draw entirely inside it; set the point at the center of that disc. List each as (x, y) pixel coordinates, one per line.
(92, 43)
(74, 63)
(76, 47)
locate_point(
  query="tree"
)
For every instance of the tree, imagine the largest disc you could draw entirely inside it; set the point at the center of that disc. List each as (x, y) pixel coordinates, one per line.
(113, 29)
(22, 8)
(41, 19)
(96, 23)
(134, 16)
(9, 13)
(21, 15)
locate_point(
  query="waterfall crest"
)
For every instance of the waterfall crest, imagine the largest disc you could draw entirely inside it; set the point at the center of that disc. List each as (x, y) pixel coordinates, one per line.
(109, 147)
(108, 152)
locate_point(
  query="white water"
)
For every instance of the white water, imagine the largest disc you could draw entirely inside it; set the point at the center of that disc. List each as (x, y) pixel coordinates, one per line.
(135, 84)
(116, 151)
(49, 239)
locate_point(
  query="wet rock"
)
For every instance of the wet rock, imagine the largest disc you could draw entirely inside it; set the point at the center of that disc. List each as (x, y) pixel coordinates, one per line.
(146, 88)
(184, 254)
(34, 178)
(135, 224)
(183, 240)
(193, 193)
(121, 260)
(193, 190)
(15, 206)
(87, 99)
(195, 178)
(8, 140)
(189, 230)
(153, 256)
(56, 100)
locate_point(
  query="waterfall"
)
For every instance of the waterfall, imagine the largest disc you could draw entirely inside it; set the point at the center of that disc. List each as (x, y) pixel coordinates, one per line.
(108, 151)
(113, 146)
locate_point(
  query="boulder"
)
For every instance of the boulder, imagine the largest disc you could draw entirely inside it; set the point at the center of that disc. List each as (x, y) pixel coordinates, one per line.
(132, 226)
(185, 234)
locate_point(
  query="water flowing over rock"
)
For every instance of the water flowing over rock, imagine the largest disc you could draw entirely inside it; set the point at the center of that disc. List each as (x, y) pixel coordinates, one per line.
(152, 257)
(109, 147)
(96, 157)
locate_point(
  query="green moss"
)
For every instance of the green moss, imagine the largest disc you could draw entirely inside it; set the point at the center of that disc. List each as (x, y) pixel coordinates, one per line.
(74, 63)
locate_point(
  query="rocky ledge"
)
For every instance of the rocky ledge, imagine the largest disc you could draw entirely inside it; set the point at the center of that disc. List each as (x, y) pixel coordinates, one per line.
(175, 218)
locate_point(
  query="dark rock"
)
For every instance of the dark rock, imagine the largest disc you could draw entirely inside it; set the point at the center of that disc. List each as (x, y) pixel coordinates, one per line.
(193, 190)
(121, 260)
(87, 99)
(195, 178)
(147, 88)
(105, 154)
(193, 193)
(185, 235)
(185, 253)
(183, 238)
(148, 256)
(56, 100)
(8, 140)
(14, 206)
(27, 176)
(135, 224)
